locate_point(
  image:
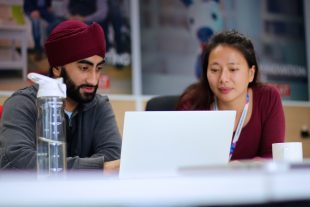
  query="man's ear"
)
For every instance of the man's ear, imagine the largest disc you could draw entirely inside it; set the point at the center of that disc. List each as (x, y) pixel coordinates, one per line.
(56, 71)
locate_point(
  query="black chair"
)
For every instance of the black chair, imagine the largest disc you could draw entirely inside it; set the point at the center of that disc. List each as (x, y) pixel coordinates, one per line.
(162, 103)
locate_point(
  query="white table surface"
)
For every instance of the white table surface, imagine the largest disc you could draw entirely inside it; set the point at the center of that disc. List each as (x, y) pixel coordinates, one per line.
(206, 187)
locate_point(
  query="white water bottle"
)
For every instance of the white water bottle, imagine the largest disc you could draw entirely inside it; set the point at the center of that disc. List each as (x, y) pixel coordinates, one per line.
(50, 126)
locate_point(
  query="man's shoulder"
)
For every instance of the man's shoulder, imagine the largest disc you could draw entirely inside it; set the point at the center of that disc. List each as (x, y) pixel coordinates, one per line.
(101, 98)
(98, 101)
(22, 99)
(29, 92)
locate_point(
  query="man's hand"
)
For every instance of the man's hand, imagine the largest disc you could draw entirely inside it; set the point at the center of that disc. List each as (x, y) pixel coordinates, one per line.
(111, 167)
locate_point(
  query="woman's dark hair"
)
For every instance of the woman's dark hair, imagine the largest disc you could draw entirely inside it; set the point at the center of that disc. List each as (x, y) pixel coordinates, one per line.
(204, 95)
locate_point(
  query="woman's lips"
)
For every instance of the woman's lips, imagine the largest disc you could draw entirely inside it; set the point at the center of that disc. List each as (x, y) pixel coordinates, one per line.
(225, 90)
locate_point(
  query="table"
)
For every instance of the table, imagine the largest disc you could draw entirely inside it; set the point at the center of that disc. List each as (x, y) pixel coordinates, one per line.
(211, 187)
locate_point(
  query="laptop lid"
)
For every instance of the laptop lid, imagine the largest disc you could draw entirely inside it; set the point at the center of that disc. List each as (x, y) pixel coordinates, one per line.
(158, 143)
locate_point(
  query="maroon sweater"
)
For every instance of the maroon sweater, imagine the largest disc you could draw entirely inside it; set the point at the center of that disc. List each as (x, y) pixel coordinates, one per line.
(266, 125)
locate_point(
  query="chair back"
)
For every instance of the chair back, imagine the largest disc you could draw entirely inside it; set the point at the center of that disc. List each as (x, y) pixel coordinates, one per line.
(162, 103)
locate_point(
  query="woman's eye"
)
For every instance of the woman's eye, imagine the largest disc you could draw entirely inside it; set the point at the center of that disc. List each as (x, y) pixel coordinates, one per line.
(214, 70)
(234, 69)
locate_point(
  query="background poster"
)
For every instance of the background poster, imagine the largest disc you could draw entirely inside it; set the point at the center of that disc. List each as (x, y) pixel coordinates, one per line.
(174, 31)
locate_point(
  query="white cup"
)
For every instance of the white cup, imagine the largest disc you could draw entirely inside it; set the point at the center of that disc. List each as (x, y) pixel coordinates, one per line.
(288, 151)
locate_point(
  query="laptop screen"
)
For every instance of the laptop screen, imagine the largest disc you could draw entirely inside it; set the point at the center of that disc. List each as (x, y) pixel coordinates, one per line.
(158, 143)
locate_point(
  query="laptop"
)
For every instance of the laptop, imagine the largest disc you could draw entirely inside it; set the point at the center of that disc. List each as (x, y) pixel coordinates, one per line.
(159, 143)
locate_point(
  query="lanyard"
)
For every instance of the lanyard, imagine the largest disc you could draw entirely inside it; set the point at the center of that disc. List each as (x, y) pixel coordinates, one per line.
(240, 124)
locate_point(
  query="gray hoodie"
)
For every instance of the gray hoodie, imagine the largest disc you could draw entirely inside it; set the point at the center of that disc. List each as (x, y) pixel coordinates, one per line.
(92, 133)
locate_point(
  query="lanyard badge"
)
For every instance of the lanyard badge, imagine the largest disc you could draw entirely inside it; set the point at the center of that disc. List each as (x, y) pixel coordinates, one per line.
(240, 124)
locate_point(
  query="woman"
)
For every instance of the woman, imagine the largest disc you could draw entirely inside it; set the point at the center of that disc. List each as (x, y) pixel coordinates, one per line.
(229, 82)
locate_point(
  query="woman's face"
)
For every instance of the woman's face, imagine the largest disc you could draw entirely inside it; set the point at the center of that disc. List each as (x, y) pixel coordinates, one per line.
(228, 73)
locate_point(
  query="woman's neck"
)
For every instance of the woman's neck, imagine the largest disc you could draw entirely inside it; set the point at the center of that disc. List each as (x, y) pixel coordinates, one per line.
(237, 104)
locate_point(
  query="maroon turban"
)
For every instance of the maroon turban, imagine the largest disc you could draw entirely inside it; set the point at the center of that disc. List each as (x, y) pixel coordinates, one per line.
(74, 40)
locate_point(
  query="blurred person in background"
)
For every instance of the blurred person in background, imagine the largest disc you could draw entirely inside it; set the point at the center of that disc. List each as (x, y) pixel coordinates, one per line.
(38, 11)
(106, 12)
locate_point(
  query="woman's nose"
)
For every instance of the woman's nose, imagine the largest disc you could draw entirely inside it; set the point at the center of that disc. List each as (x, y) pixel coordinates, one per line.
(224, 76)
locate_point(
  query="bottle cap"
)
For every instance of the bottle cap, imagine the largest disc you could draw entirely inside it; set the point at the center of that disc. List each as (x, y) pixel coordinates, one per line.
(48, 86)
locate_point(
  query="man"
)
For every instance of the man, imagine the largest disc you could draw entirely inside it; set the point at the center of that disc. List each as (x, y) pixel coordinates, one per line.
(75, 52)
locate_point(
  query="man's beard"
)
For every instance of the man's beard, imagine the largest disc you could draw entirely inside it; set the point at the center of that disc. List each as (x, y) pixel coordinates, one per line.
(73, 91)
